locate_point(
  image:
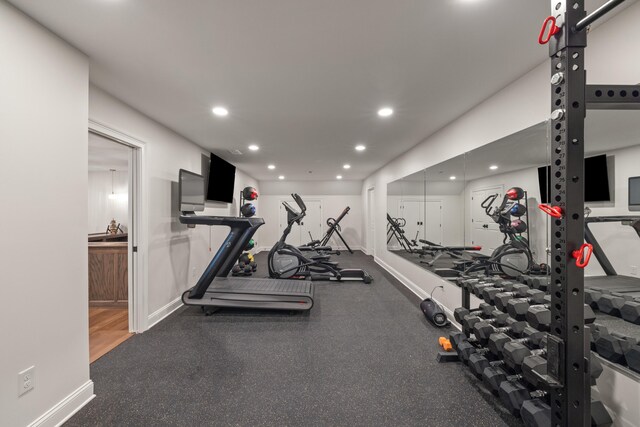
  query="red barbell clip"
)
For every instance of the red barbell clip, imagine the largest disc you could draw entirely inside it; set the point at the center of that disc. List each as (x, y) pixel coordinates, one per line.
(583, 256)
(553, 30)
(554, 211)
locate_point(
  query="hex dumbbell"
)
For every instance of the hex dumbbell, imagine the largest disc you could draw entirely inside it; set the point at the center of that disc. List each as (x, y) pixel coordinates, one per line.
(484, 330)
(517, 290)
(539, 316)
(518, 307)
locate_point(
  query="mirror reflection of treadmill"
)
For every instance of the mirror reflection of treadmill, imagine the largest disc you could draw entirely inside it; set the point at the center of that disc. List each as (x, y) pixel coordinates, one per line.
(612, 280)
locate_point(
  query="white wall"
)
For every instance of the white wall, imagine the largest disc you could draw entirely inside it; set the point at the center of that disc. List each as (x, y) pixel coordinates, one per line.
(176, 255)
(332, 206)
(103, 209)
(43, 256)
(522, 104)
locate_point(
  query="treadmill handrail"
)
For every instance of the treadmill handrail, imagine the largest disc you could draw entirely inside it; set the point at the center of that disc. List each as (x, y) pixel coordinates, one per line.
(219, 220)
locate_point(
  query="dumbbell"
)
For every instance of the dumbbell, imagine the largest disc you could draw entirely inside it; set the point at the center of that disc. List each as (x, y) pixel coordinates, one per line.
(530, 297)
(619, 349)
(630, 311)
(477, 288)
(469, 321)
(493, 375)
(483, 330)
(530, 336)
(516, 290)
(537, 413)
(539, 316)
(536, 282)
(483, 310)
(518, 307)
(514, 395)
(591, 297)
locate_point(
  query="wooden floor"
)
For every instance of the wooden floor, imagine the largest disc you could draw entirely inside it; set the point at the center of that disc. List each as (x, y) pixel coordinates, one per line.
(108, 328)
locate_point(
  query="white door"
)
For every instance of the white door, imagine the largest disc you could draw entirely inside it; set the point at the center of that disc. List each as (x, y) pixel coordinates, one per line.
(433, 221)
(484, 231)
(371, 223)
(412, 210)
(312, 222)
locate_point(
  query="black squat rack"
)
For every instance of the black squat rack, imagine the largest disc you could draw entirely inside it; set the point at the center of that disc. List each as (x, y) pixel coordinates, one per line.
(568, 341)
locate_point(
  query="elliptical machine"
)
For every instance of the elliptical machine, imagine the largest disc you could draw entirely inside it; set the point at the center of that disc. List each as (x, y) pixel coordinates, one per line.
(513, 257)
(287, 262)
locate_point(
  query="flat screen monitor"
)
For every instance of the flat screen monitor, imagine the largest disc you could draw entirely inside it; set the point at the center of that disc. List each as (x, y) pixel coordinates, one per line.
(596, 179)
(596, 183)
(191, 191)
(634, 193)
(222, 176)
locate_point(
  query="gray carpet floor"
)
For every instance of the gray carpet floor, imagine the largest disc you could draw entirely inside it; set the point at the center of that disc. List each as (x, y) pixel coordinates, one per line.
(363, 356)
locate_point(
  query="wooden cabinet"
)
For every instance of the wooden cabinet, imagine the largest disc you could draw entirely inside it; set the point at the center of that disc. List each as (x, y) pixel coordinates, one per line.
(108, 273)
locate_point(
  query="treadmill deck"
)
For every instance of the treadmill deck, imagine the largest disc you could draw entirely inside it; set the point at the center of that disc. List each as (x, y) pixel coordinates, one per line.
(246, 292)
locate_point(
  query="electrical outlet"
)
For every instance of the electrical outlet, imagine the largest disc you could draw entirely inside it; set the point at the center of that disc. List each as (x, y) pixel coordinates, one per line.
(26, 380)
(634, 270)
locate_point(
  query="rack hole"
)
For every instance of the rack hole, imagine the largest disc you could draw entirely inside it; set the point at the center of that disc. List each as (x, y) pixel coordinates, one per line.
(558, 234)
(558, 5)
(623, 93)
(576, 367)
(558, 126)
(558, 162)
(575, 55)
(559, 66)
(558, 258)
(576, 5)
(558, 186)
(610, 93)
(558, 149)
(558, 222)
(575, 67)
(558, 174)
(576, 329)
(559, 295)
(575, 216)
(558, 246)
(558, 198)
(558, 138)
(575, 104)
(575, 141)
(598, 93)
(575, 291)
(635, 93)
(558, 101)
(576, 403)
(558, 331)
(558, 89)
(575, 179)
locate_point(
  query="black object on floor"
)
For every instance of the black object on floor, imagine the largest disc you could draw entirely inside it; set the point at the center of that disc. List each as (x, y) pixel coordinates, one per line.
(364, 356)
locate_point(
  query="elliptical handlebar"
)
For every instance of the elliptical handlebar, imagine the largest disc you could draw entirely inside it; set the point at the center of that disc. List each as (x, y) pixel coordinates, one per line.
(299, 202)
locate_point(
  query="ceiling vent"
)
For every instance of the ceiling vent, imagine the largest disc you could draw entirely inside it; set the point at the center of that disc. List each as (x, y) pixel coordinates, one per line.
(236, 152)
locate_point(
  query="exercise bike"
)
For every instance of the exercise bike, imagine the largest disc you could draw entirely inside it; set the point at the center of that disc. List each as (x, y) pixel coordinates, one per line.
(288, 262)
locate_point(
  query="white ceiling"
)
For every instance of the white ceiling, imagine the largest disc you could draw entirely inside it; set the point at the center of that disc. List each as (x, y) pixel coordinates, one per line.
(605, 131)
(302, 78)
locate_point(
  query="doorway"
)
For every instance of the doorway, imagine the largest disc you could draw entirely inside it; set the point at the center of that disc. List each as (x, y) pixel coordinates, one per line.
(484, 231)
(111, 168)
(371, 226)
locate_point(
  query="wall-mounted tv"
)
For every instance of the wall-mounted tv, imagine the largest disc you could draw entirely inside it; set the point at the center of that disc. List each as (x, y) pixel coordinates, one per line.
(191, 191)
(596, 183)
(222, 177)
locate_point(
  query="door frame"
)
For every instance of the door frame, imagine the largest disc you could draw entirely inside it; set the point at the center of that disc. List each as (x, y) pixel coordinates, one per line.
(473, 190)
(138, 230)
(440, 202)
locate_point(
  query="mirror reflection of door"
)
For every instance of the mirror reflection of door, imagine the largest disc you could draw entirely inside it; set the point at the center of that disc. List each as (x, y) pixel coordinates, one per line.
(484, 231)
(412, 210)
(433, 221)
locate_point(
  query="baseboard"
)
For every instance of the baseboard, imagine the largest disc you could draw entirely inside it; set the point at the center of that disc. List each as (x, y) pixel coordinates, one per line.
(421, 293)
(163, 312)
(67, 407)
(337, 248)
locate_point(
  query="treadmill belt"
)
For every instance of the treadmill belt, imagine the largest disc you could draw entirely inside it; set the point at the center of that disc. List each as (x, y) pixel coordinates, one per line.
(246, 285)
(626, 283)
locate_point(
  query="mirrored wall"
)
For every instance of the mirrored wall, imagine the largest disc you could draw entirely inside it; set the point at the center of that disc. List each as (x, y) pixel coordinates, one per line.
(473, 207)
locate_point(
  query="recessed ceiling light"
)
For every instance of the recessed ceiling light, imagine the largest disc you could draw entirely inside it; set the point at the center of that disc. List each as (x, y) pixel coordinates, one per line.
(347, 166)
(385, 112)
(360, 147)
(271, 167)
(452, 177)
(253, 147)
(220, 111)
(281, 177)
(339, 177)
(493, 167)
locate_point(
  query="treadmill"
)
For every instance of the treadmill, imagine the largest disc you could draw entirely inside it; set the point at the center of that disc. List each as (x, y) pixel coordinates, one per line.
(612, 281)
(214, 289)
